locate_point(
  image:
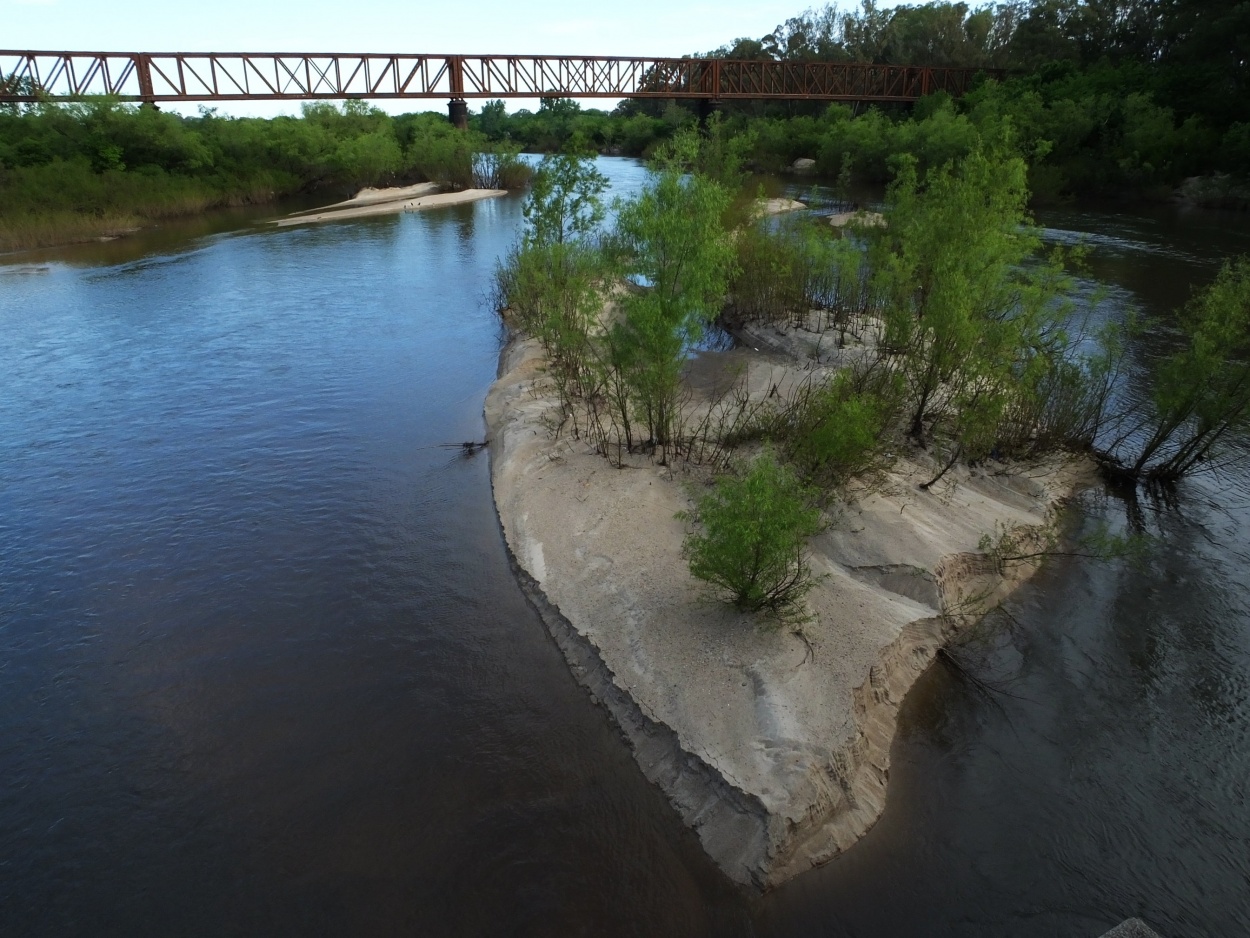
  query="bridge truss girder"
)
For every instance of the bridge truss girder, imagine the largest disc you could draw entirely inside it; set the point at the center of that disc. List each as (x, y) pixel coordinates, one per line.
(31, 76)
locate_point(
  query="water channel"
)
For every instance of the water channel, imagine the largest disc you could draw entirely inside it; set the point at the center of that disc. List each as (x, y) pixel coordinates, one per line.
(264, 668)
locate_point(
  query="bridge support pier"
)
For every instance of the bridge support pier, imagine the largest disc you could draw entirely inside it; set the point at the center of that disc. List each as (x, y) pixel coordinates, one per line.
(708, 107)
(458, 113)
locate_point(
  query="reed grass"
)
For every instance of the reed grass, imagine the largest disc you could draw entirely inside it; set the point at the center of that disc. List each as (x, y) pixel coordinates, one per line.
(28, 230)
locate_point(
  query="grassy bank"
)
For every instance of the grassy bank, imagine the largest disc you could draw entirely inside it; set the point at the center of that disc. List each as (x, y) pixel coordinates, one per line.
(66, 200)
(82, 171)
(28, 231)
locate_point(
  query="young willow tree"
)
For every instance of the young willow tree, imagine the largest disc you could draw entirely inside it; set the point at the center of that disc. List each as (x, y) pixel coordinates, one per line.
(974, 322)
(676, 251)
(551, 280)
(754, 530)
(718, 152)
(565, 201)
(1201, 392)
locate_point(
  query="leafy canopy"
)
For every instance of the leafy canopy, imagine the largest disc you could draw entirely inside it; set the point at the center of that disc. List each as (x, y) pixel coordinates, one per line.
(754, 530)
(565, 200)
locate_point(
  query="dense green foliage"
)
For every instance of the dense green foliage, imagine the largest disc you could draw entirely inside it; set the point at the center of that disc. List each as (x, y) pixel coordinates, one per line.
(1101, 97)
(1202, 391)
(1131, 96)
(72, 168)
(551, 280)
(675, 246)
(753, 529)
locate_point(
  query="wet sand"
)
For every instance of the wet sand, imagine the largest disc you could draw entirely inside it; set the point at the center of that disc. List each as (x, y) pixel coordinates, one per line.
(387, 202)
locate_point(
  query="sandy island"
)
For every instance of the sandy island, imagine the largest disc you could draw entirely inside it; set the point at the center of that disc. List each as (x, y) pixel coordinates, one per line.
(765, 207)
(861, 218)
(367, 202)
(773, 745)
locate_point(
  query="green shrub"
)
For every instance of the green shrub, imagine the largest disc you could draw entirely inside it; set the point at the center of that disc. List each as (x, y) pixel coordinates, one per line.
(1202, 392)
(836, 431)
(552, 292)
(790, 268)
(769, 282)
(551, 280)
(444, 157)
(672, 239)
(754, 530)
(499, 166)
(369, 158)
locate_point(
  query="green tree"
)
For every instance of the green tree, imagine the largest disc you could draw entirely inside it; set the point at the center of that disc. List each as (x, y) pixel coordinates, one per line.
(565, 200)
(552, 278)
(493, 120)
(720, 151)
(753, 534)
(1202, 391)
(368, 158)
(968, 317)
(498, 165)
(677, 252)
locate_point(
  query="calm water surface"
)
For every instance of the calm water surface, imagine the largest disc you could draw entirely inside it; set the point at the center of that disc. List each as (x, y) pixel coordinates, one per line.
(264, 668)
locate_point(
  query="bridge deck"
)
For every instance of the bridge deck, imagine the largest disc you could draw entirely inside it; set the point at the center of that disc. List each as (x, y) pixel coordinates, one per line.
(29, 76)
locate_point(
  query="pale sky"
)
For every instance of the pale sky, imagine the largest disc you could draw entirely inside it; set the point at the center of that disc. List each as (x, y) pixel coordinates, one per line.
(636, 27)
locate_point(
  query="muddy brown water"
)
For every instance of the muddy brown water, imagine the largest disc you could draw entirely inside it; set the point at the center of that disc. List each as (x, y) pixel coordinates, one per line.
(264, 668)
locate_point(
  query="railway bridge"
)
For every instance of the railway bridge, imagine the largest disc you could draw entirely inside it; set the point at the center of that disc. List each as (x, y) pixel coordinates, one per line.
(28, 76)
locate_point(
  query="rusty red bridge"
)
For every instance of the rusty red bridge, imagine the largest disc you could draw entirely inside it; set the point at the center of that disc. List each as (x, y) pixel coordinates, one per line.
(158, 77)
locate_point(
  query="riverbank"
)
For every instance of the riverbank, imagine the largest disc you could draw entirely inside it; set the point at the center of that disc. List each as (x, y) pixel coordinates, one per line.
(31, 230)
(52, 229)
(27, 232)
(67, 203)
(771, 743)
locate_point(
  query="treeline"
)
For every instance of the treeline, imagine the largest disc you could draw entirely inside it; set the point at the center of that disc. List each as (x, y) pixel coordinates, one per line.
(1086, 146)
(949, 335)
(78, 170)
(1102, 96)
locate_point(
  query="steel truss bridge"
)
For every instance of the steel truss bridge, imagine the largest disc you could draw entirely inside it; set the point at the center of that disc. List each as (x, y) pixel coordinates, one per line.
(155, 78)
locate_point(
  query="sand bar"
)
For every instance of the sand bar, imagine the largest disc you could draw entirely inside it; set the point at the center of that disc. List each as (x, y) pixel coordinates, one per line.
(773, 745)
(420, 203)
(861, 218)
(371, 196)
(777, 206)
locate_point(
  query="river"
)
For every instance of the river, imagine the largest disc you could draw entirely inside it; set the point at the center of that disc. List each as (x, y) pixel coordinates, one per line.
(264, 668)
